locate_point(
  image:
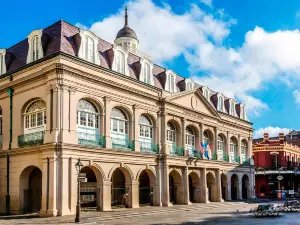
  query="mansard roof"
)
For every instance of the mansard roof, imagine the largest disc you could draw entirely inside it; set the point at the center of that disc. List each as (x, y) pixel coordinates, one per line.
(64, 37)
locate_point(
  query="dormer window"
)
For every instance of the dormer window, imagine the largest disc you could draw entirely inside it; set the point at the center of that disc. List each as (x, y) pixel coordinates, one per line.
(120, 62)
(146, 75)
(220, 103)
(35, 50)
(243, 113)
(170, 83)
(232, 108)
(88, 47)
(189, 84)
(2, 61)
(206, 93)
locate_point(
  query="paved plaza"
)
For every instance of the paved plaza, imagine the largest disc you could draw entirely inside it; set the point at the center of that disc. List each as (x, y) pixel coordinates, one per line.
(233, 213)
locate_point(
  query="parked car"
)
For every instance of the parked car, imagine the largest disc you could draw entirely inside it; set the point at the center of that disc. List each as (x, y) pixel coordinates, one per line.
(265, 210)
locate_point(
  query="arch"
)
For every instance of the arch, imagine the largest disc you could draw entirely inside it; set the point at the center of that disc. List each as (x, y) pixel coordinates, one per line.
(194, 128)
(30, 189)
(100, 170)
(194, 186)
(211, 186)
(234, 180)
(175, 123)
(175, 186)
(124, 109)
(151, 172)
(125, 169)
(224, 184)
(246, 189)
(93, 100)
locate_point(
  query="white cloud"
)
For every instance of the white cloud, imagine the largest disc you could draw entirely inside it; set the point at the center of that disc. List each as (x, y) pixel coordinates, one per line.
(296, 95)
(207, 2)
(272, 131)
(199, 36)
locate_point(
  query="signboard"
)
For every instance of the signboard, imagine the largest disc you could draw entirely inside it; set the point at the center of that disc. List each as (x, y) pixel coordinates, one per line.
(82, 175)
(87, 198)
(279, 177)
(271, 183)
(81, 179)
(291, 192)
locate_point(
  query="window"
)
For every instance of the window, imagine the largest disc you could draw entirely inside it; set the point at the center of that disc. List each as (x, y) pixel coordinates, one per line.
(119, 122)
(87, 116)
(2, 61)
(244, 150)
(146, 128)
(206, 138)
(220, 104)
(171, 133)
(221, 144)
(120, 62)
(147, 73)
(35, 48)
(34, 117)
(233, 146)
(206, 93)
(232, 110)
(189, 86)
(170, 83)
(243, 114)
(89, 49)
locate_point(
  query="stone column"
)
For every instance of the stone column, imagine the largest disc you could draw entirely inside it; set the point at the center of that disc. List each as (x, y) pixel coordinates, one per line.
(186, 152)
(218, 186)
(166, 194)
(43, 211)
(203, 191)
(164, 147)
(249, 152)
(159, 176)
(216, 143)
(239, 147)
(65, 186)
(240, 188)
(105, 196)
(133, 201)
(136, 128)
(52, 209)
(229, 190)
(228, 146)
(157, 133)
(186, 186)
(107, 110)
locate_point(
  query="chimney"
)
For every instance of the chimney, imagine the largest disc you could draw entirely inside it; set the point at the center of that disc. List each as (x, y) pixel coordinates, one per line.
(281, 136)
(266, 136)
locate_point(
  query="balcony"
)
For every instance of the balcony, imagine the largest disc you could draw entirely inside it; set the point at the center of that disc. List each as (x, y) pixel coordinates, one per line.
(176, 150)
(225, 157)
(122, 144)
(149, 148)
(197, 154)
(92, 140)
(237, 159)
(32, 139)
(214, 156)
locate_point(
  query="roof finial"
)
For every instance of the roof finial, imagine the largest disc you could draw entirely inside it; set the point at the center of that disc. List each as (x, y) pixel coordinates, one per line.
(126, 16)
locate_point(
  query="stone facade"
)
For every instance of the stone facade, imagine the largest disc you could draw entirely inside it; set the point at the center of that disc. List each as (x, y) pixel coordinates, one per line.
(42, 174)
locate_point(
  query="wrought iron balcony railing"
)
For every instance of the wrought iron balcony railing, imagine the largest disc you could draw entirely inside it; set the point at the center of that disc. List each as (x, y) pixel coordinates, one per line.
(176, 150)
(93, 140)
(237, 159)
(225, 157)
(198, 154)
(149, 148)
(122, 144)
(32, 139)
(214, 156)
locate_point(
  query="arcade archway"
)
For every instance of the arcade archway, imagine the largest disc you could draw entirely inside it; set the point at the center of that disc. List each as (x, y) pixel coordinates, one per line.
(245, 187)
(234, 187)
(194, 187)
(224, 186)
(211, 187)
(175, 187)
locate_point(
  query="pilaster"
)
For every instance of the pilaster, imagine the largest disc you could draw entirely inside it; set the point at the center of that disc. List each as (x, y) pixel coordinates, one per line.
(105, 196)
(203, 190)
(135, 128)
(106, 122)
(219, 186)
(133, 194)
(186, 186)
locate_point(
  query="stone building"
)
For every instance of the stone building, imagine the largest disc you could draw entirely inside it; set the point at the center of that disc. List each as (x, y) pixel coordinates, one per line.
(139, 129)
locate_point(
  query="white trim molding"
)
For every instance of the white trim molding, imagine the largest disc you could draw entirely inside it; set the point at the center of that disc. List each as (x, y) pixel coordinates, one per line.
(187, 82)
(35, 51)
(206, 93)
(243, 107)
(2, 61)
(232, 110)
(170, 74)
(84, 34)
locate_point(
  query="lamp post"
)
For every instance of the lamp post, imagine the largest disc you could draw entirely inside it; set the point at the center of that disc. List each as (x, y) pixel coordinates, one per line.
(78, 167)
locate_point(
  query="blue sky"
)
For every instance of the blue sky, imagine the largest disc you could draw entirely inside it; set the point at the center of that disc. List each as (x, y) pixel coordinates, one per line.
(245, 49)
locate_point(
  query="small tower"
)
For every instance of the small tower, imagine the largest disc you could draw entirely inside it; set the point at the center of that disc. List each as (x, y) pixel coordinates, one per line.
(126, 37)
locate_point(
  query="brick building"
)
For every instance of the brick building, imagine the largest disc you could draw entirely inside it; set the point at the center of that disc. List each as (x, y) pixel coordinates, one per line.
(277, 156)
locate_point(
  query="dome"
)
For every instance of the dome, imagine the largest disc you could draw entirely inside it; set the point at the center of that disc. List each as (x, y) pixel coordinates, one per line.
(126, 32)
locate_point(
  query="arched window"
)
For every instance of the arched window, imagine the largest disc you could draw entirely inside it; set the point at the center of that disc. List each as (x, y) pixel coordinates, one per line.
(206, 137)
(35, 48)
(233, 147)
(244, 150)
(206, 93)
(119, 129)
(146, 135)
(220, 104)
(171, 133)
(147, 73)
(146, 128)
(87, 116)
(189, 86)
(170, 83)
(120, 62)
(35, 117)
(190, 140)
(220, 147)
(89, 49)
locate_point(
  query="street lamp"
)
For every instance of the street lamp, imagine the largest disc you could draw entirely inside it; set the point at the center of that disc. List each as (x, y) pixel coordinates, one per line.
(78, 167)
